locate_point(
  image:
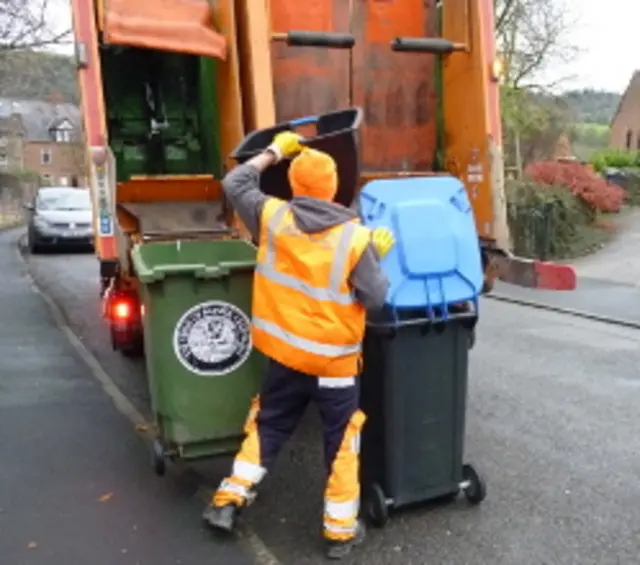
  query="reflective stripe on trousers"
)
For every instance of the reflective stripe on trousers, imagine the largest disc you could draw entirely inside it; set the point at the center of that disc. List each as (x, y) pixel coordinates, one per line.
(283, 401)
(247, 470)
(342, 494)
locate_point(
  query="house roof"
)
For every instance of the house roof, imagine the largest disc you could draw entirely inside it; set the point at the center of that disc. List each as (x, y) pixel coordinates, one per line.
(59, 121)
(40, 117)
(634, 85)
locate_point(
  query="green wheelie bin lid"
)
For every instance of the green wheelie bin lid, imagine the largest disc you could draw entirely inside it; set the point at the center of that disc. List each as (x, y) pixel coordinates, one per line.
(201, 366)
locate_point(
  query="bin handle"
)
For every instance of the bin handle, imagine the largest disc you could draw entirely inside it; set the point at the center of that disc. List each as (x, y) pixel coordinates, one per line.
(224, 269)
(305, 120)
(422, 321)
(161, 271)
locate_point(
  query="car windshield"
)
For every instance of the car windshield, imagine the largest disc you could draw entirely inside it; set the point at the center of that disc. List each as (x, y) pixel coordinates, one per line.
(74, 199)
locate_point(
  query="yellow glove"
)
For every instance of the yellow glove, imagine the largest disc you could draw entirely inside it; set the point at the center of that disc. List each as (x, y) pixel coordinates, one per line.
(285, 145)
(383, 240)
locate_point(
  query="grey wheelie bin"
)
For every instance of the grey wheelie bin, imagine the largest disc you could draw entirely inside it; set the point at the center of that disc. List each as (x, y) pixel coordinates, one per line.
(414, 391)
(201, 366)
(415, 352)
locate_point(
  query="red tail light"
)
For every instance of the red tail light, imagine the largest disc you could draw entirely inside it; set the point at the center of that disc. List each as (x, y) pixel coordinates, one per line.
(121, 310)
(122, 307)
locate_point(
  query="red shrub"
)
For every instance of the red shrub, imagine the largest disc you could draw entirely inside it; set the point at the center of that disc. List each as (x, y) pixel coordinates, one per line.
(581, 181)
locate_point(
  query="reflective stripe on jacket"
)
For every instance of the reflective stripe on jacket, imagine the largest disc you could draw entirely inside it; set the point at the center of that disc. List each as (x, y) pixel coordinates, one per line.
(304, 313)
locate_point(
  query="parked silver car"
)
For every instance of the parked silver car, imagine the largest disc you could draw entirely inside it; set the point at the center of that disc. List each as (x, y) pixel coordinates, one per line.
(60, 216)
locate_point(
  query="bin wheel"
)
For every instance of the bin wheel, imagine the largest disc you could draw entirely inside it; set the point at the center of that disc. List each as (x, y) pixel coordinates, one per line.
(158, 456)
(376, 508)
(476, 490)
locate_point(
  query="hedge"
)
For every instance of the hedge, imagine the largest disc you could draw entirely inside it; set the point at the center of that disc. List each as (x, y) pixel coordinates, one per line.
(546, 221)
(581, 181)
(615, 159)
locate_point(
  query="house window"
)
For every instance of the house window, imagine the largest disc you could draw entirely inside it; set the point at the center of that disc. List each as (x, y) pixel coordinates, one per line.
(4, 161)
(63, 136)
(47, 179)
(45, 157)
(629, 138)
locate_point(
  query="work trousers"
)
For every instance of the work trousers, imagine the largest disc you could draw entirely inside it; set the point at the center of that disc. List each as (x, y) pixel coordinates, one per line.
(274, 416)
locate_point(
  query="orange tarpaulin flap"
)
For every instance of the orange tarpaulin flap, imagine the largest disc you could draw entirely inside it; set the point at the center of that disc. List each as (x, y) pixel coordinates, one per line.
(184, 26)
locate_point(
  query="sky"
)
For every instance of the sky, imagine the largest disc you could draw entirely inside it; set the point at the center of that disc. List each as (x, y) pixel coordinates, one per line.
(605, 33)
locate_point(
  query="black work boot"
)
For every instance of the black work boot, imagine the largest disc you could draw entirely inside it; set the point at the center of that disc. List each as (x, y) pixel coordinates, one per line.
(339, 549)
(222, 518)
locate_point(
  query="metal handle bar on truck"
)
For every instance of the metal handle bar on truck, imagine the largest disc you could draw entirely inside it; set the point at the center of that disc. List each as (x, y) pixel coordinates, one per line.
(433, 45)
(332, 40)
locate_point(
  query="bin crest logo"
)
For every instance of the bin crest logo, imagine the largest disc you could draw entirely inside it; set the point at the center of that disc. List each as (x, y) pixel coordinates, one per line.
(213, 338)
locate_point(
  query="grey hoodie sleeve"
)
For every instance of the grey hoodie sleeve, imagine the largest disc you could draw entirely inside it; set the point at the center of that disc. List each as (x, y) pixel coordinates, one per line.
(369, 283)
(242, 188)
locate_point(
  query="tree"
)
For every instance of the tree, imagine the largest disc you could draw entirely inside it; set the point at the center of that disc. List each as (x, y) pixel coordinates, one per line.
(533, 124)
(24, 24)
(531, 36)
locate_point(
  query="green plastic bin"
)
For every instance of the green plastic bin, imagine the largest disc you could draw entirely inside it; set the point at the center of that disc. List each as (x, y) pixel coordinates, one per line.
(201, 366)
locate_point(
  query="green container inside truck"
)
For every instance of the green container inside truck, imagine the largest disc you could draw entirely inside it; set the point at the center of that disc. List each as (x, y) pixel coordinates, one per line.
(161, 112)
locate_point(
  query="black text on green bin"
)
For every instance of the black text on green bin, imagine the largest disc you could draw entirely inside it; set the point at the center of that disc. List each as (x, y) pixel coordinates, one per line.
(202, 369)
(414, 393)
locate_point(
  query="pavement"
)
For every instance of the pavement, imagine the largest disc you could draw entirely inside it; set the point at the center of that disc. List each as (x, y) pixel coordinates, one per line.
(618, 260)
(552, 424)
(75, 480)
(602, 298)
(608, 281)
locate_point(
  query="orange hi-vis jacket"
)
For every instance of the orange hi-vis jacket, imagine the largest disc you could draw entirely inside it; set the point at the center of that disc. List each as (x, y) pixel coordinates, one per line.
(304, 313)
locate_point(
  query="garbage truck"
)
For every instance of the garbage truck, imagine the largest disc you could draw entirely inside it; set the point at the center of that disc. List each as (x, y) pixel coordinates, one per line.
(170, 89)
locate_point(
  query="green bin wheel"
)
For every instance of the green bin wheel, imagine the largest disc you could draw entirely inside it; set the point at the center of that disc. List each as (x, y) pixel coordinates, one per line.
(376, 510)
(475, 489)
(158, 457)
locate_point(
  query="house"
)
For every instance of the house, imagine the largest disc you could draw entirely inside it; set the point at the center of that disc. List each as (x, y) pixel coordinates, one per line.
(49, 137)
(12, 134)
(625, 127)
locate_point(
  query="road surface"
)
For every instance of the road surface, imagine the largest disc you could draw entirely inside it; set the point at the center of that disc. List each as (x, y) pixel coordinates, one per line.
(552, 423)
(75, 486)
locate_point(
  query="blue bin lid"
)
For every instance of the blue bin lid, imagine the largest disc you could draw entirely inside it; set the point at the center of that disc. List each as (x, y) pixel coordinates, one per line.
(436, 261)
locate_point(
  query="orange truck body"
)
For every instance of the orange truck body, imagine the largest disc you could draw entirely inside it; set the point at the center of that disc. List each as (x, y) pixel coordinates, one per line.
(425, 114)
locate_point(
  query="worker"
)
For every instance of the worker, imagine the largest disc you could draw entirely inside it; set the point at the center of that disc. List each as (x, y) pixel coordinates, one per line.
(317, 273)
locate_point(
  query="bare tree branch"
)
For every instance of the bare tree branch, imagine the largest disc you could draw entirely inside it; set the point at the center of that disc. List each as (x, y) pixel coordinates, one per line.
(24, 24)
(503, 9)
(531, 36)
